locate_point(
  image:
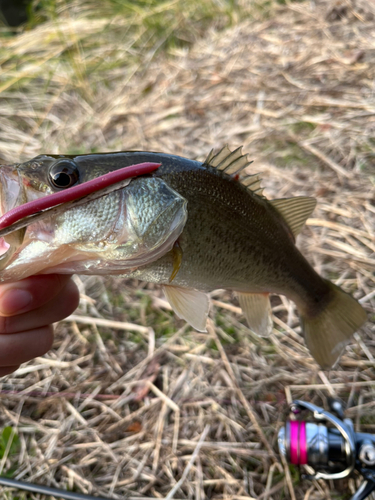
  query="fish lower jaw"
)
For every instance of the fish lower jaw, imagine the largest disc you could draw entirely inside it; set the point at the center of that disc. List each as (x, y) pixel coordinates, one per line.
(4, 247)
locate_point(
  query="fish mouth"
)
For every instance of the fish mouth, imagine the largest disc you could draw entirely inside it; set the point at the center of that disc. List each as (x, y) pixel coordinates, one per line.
(10, 188)
(11, 193)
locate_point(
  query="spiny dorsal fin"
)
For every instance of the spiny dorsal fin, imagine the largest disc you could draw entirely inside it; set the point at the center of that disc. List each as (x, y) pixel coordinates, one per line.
(228, 161)
(237, 165)
(295, 211)
(219, 157)
(251, 181)
(209, 157)
(230, 158)
(232, 163)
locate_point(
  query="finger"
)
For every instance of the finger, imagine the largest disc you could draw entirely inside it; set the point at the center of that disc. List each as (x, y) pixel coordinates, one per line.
(30, 293)
(63, 304)
(6, 370)
(20, 347)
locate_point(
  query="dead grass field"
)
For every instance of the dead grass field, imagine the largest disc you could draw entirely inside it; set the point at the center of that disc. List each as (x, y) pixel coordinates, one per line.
(131, 402)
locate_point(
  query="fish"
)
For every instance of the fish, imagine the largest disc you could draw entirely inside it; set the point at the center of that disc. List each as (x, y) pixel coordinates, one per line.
(191, 227)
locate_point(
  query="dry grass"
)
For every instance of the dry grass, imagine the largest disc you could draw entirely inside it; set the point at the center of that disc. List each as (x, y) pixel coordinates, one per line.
(131, 402)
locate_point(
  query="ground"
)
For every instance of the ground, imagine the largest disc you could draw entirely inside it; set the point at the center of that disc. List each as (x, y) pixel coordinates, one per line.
(131, 402)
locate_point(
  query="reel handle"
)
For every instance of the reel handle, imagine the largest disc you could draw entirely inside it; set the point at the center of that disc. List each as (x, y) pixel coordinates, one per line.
(366, 488)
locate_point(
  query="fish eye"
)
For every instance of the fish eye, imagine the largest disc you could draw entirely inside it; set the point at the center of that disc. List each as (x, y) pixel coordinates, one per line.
(63, 174)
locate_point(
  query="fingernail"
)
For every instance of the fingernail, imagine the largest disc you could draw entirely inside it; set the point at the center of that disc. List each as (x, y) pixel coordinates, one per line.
(14, 300)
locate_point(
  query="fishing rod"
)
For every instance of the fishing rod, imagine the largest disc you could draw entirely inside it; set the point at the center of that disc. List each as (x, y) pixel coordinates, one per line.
(47, 490)
(326, 441)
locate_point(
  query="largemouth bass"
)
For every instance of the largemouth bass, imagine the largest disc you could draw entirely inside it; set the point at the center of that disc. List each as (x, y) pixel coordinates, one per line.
(192, 227)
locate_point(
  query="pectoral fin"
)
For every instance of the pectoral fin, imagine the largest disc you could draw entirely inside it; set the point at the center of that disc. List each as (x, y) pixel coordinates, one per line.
(257, 310)
(177, 260)
(189, 304)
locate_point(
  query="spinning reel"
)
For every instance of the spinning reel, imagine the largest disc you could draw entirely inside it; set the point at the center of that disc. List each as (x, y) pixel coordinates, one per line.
(329, 445)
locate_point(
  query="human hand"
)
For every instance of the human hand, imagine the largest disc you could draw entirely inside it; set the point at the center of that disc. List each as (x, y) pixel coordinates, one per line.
(27, 310)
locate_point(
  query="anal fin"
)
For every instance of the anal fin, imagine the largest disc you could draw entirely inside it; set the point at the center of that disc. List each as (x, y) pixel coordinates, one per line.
(257, 310)
(190, 305)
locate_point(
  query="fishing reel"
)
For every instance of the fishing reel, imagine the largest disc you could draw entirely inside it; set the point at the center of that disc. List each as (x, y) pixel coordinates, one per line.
(328, 444)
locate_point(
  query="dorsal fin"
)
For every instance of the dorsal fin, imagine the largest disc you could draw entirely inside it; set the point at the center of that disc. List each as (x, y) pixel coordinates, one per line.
(295, 211)
(215, 160)
(233, 163)
(209, 157)
(251, 181)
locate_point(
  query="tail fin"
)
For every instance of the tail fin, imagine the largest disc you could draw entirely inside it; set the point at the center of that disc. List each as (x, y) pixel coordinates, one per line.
(327, 333)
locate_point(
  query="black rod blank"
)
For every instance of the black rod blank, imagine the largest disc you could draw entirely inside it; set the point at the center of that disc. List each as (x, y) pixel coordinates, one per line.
(46, 490)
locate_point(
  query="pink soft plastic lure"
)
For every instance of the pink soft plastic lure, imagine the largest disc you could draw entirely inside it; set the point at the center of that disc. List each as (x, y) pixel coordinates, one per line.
(75, 192)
